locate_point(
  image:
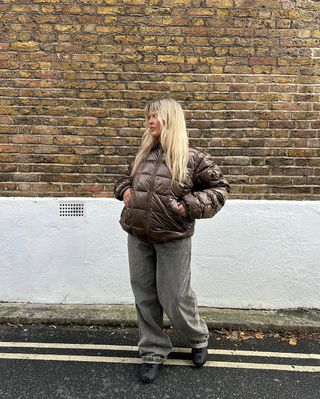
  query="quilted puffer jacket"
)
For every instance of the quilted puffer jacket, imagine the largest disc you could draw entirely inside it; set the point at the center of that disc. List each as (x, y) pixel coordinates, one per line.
(153, 212)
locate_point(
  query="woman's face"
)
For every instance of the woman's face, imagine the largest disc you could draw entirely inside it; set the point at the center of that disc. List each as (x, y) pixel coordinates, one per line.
(154, 124)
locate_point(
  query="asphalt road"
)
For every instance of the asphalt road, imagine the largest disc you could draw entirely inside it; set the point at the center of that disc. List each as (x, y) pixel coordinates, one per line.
(54, 362)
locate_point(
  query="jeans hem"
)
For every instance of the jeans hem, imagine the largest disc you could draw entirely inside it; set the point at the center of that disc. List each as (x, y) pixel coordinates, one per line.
(199, 344)
(153, 359)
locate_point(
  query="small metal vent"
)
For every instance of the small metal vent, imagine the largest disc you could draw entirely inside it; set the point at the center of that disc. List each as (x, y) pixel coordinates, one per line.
(71, 209)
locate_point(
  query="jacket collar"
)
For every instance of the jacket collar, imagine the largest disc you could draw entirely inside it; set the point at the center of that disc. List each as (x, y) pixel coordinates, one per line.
(156, 145)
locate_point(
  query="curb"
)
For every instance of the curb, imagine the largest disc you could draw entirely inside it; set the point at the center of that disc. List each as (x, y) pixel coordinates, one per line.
(282, 320)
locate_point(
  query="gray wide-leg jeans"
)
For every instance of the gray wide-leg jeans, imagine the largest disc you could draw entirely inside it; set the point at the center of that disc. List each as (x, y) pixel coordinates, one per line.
(160, 279)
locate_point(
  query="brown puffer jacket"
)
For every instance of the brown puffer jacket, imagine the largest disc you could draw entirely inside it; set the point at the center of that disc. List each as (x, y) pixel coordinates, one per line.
(153, 212)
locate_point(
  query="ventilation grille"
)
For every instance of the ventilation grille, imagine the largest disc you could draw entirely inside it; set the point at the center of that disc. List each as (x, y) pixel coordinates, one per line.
(71, 209)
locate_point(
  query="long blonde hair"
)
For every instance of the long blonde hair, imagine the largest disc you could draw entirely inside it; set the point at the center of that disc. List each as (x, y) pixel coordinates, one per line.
(173, 138)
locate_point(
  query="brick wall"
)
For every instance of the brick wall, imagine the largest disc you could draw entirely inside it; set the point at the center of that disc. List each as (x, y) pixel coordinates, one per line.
(75, 74)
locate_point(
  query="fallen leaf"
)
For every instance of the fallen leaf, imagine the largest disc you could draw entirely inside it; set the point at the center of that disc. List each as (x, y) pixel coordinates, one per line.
(243, 336)
(233, 336)
(293, 341)
(259, 335)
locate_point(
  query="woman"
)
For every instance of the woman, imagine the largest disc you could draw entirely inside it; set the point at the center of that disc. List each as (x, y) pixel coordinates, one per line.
(170, 185)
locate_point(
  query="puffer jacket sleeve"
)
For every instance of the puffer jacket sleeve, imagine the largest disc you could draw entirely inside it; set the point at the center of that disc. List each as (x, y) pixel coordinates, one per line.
(122, 184)
(210, 189)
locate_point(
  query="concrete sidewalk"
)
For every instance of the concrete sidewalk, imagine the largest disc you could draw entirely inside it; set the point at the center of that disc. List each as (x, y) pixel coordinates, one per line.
(289, 320)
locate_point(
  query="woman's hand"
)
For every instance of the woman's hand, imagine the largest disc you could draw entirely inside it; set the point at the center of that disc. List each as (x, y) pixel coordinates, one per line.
(127, 196)
(182, 210)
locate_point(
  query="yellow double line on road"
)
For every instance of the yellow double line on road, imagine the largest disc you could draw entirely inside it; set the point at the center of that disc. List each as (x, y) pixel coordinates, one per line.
(172, 362)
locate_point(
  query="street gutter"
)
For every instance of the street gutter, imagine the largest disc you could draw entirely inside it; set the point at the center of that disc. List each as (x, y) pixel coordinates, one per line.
(282, 320)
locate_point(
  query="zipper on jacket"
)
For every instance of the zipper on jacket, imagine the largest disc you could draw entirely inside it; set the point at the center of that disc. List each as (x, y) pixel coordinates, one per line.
(151, 192)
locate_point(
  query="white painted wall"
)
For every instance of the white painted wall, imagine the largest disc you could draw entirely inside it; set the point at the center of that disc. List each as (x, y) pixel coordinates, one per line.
(253, 254)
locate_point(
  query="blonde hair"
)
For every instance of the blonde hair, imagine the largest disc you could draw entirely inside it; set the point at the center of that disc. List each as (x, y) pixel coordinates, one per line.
(173, 138)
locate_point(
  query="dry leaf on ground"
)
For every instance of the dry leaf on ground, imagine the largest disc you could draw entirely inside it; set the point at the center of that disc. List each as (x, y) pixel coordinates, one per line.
(259, 335)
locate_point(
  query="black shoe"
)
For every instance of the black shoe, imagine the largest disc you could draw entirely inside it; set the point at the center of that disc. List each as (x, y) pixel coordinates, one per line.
(149, 371)
(199, 356)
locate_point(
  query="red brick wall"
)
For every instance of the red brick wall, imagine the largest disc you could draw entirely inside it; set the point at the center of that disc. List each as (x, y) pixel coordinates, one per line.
(74, 76)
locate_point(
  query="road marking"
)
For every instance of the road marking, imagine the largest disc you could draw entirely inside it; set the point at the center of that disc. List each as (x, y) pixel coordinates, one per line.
(57, 345)
(70, 358)
(265, 354)
(170, 362)
(177, 350)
